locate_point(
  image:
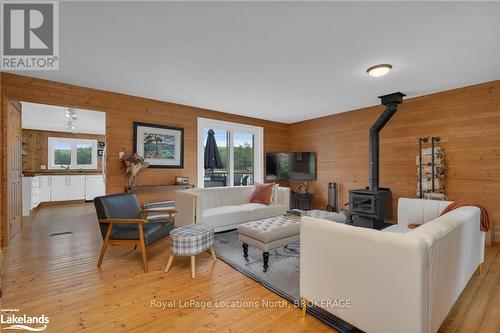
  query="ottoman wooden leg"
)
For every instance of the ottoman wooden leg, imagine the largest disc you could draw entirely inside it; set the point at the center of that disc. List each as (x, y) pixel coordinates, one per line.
(245, 251)
(193, 267)
(265, 256)
(169, 263)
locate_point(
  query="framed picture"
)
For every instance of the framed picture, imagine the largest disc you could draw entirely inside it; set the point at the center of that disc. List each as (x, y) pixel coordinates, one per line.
(161, 146)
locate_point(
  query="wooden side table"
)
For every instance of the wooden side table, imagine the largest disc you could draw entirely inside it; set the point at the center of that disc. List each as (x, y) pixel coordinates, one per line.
(302, 201)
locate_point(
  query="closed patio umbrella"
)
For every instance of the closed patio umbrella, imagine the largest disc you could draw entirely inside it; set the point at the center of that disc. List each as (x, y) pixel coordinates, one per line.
(212, 156)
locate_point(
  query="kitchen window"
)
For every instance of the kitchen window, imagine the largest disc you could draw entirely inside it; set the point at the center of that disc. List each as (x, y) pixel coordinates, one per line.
(72, 153)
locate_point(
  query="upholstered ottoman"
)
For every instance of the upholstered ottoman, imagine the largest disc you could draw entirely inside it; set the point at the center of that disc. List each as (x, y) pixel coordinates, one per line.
(325, 215)
(268, 234)
(190, 240)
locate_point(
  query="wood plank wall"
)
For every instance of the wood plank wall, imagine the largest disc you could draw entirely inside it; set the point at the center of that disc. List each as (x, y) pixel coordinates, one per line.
(467, 119)
(37, 145)
(3, 171)
(121, 111)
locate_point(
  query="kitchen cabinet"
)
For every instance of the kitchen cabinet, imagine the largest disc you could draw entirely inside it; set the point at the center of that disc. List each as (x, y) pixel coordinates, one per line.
(71, 187)
(35, 191)
(45, 188)
(59, 188)
(95, 186)
(35, 195)
(27, 197)
(76, 188)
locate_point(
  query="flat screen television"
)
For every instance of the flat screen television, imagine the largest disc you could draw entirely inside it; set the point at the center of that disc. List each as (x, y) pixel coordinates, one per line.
(291, 166)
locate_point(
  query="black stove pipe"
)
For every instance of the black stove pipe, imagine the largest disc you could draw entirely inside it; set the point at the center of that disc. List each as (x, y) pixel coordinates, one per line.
(391, 102)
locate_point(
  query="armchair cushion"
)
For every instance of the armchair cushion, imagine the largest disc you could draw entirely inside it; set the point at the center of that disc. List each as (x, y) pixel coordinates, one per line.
(152, 231)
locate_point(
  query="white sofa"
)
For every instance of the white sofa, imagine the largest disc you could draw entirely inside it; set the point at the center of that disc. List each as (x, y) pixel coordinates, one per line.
(225, 208)
(395, 281)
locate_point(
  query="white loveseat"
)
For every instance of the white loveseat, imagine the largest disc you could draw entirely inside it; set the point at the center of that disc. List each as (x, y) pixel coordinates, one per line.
(225, 208)
(395, 281)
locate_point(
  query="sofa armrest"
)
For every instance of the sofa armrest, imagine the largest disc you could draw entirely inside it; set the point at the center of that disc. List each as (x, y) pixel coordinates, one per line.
(383, 275)
(188, 206)
(456, 249)
(284, 196)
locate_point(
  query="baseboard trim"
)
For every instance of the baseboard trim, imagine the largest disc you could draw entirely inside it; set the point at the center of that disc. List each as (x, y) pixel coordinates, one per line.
(61, 203)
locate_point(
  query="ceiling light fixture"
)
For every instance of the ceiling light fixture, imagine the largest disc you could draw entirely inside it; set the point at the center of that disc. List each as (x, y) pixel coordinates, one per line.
(379, 70)
(70, 113)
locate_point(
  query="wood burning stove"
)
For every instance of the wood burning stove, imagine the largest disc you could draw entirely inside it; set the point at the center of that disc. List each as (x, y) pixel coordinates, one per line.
(372, 206)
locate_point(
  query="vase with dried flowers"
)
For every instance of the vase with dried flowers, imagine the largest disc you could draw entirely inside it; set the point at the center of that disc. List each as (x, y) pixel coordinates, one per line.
(133, 164)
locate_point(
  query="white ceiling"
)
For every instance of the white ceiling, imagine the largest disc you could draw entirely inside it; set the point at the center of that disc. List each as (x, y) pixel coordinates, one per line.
(284, 61)
(53, 118)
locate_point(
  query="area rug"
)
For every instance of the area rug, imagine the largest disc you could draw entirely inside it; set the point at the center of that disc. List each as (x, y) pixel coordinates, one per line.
(282, 276)
(283, 271)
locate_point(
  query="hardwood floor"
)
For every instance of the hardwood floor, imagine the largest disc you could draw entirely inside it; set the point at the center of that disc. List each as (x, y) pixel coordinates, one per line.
(478, 307)
(57, 276)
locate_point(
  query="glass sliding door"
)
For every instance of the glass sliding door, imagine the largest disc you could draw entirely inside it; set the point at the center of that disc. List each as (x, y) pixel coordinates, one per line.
(240, 148)
(243, 159)
(218, 176)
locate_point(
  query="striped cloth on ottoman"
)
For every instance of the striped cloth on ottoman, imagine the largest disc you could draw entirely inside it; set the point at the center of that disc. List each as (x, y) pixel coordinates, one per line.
(191, 239)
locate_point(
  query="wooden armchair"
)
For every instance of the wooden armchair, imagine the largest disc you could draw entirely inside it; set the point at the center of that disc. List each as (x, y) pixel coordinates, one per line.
(123, 222)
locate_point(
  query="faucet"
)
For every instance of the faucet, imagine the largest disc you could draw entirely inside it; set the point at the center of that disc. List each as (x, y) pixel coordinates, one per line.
(65, 168)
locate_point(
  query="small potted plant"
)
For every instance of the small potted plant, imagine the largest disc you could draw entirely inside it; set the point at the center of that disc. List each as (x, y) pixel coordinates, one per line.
(133, 164)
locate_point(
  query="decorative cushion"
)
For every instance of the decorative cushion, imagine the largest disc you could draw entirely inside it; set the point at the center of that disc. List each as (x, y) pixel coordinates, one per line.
(191, 239)
(262, 193)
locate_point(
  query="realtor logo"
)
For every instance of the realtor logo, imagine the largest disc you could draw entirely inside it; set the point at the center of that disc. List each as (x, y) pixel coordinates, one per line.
(30, 35)
(18, 322)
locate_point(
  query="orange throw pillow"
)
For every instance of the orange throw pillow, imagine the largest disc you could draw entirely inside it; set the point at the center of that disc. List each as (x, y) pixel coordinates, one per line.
(262, 193)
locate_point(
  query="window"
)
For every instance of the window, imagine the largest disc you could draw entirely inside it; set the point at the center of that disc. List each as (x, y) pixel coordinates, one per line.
(75, 153)
(241, 151)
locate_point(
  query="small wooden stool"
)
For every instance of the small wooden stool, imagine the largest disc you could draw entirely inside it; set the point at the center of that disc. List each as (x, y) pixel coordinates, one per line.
(190, 240)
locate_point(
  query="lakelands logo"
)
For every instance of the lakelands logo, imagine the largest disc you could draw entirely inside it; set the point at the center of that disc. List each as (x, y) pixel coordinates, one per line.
(30, 37)
(22, 322)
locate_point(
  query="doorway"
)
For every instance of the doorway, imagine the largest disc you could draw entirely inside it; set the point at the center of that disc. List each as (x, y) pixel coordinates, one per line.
(56, 156)
(13, 172)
